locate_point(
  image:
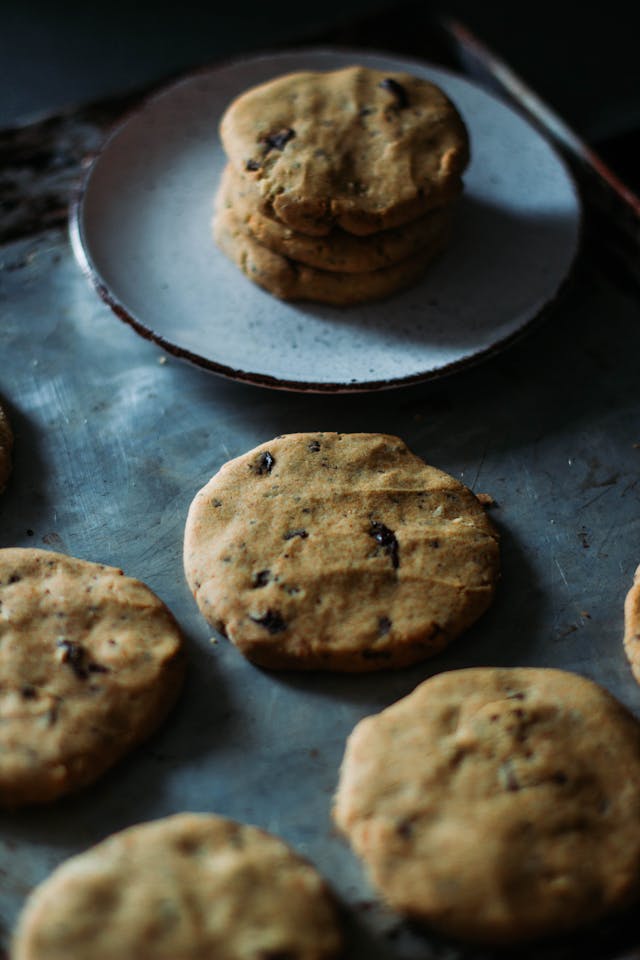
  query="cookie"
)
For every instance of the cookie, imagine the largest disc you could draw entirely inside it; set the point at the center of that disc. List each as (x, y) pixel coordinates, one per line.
(183, 888)
(337, 251)
(632, 625)
(90, 663)
(497, 805)
(358, 148)
(288, 280)
(338, 551)
(6, 445)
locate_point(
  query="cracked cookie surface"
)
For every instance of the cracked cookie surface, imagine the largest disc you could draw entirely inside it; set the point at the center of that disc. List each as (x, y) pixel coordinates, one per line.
(497, 804)
(338, 551)
(357, 148)
(183, 888)
(90, 663)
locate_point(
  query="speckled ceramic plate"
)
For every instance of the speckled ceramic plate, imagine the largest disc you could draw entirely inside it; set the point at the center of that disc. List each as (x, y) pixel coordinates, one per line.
(141, 230)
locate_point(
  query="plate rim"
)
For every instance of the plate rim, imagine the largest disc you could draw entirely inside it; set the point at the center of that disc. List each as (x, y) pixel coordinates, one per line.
(92, 274)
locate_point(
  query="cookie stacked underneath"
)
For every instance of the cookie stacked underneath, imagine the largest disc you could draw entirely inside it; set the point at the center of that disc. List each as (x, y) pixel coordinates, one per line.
(339, 186)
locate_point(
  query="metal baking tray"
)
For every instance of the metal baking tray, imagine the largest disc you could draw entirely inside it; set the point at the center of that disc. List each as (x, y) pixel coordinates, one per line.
(113, 439)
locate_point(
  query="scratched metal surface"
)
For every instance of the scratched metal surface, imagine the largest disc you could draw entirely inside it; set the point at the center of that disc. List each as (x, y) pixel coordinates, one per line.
(112, 442)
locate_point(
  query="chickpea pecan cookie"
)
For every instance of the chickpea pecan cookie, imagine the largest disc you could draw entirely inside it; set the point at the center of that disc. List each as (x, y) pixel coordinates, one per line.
(497, 805)
(356, 147)
(183, 888)
(90, 663)
(338, 551)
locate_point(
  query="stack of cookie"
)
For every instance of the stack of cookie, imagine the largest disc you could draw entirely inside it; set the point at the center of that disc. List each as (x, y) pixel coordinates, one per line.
(339, 186)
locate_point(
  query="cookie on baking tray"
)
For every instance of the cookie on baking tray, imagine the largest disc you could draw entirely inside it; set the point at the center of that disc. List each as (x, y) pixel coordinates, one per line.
(91, 661)
(6, 446)
(290, 280)
(338, 251)
(632, 625)
(358, 148)
(497, 805)
(338, 551)
(182, 888)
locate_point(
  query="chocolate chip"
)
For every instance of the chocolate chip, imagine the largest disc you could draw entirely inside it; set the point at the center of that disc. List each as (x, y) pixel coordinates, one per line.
(387, 540)
(75, 655)
(296, 533)
(277, 140)
(252, 165)
(261, 578)
(404, 829)
(265, 463)
(15, 578)
(97, 668)
(271, 621)
(384, 625)
(29, 692)
(314, 446)
(434, 543)
(397, 91)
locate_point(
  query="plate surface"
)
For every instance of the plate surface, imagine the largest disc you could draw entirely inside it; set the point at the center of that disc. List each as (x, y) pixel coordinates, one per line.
(141, 229)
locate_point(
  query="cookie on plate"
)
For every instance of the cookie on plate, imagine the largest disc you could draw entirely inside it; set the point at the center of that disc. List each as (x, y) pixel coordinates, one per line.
(6, 446)
(183, 888)
(497, 805)
(338, 551)
(632, 625)
(358, 148)
(91, 661)
(337, 251)
(290, 280)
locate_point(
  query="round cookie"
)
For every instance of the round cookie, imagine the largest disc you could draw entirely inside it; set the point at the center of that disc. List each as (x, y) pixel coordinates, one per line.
(338, 551)
(357, 148)
(90, 663)
(183, 888)
(497, 805)
(337, 251)
(295, 281)
(6, 445)
(632, 625)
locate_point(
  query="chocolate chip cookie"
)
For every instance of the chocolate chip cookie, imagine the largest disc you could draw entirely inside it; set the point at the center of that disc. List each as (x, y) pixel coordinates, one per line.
(338, 551)
(183, 888)
(497, 805)
(338, 251)
(358, 148)
(91, 662)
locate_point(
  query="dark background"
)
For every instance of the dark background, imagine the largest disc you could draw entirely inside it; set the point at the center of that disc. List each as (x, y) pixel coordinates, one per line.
(582, 59)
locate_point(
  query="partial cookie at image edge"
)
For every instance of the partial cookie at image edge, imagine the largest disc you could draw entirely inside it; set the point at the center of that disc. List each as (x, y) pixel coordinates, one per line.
(248, 893)
(91, 663)
(497, 805)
